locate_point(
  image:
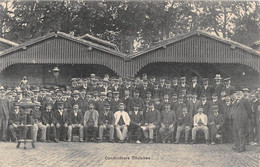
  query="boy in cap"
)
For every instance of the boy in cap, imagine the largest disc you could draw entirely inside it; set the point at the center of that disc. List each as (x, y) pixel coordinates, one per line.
(106, 121)
(216, 122)
(137, 120)
(122, 121)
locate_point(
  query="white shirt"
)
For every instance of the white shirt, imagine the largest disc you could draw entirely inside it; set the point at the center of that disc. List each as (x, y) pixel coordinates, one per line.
(202, 117)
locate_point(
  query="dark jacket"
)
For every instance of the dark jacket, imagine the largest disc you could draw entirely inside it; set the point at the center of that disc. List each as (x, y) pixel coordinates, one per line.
(109, 118)
(61, 119)
(48, 118)
(186, 119)
(136, 119)
(153, 117)
(218, 120)
(76, 120)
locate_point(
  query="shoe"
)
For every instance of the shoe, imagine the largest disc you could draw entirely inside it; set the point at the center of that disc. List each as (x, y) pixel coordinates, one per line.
(234, 148)
(56, 140)
(151, 141)
(186, 142)
(241, 150)
(212, 143)
(169, 142)
(48, 141)
(112, 141)
(81, 140)
(43, 140)
(4, 140)
(69, 140)
(121, 141)
(207, 142)
(163, 141)
(146, 140)
(138, 142)
(176, 142)
(192, 142)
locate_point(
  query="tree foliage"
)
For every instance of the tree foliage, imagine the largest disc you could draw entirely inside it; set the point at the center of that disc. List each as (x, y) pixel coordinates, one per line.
(132, 25)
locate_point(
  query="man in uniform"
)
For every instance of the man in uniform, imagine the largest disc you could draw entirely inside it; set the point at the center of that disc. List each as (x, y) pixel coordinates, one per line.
(137, 120)
(106, 121)
(184, 122)
(152, 121)
(62, 121)
(75, 121)
(168, 122)
(216, 122)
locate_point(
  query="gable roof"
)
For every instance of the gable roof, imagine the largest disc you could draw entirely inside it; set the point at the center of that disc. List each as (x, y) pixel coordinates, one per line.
(192, 33)
(66, 36)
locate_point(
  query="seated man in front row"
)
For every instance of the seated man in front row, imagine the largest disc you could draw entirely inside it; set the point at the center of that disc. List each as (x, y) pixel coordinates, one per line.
(122, 120)
(216, 122)
(91, 121)
(200, 122)
(75, 121)
(168, 121)
(106, 121)
(152, 121)
(137, 120)
(184, 122)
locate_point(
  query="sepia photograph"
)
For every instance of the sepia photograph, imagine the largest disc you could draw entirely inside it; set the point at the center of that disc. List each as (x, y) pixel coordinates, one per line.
(129, 83)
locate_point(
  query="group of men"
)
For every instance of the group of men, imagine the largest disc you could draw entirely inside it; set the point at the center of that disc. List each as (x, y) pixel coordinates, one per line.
(139, 107)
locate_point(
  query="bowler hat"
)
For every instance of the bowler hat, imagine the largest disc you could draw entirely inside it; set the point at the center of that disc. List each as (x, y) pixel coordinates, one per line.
(218, 76)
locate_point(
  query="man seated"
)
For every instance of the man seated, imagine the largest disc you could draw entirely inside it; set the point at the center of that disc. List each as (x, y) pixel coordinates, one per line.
(168, 121)
(62, 121)
(122, 120)
(48, 120)
(184, 122)
(106, 121)
(36, 113)
(16, 119)
(75, 121)
(216, 122)
(137, 120)
(200, 122)
(152, 121)
(91, 121)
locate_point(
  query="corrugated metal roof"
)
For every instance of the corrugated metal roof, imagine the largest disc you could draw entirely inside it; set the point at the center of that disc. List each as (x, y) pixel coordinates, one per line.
(67, 36)
(189, 34)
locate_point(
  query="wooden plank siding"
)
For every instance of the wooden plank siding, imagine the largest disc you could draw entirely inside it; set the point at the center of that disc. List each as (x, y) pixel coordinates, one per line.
(195, 48)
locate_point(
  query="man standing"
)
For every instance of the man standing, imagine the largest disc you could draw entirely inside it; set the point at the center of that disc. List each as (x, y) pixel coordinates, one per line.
(217, 87)
(240, 114)
(200, 123)
(168, 121)
(122, 120)
(195, 87)
(4, 113)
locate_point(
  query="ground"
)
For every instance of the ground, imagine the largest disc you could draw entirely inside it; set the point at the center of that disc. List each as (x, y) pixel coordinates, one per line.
(97, 154)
